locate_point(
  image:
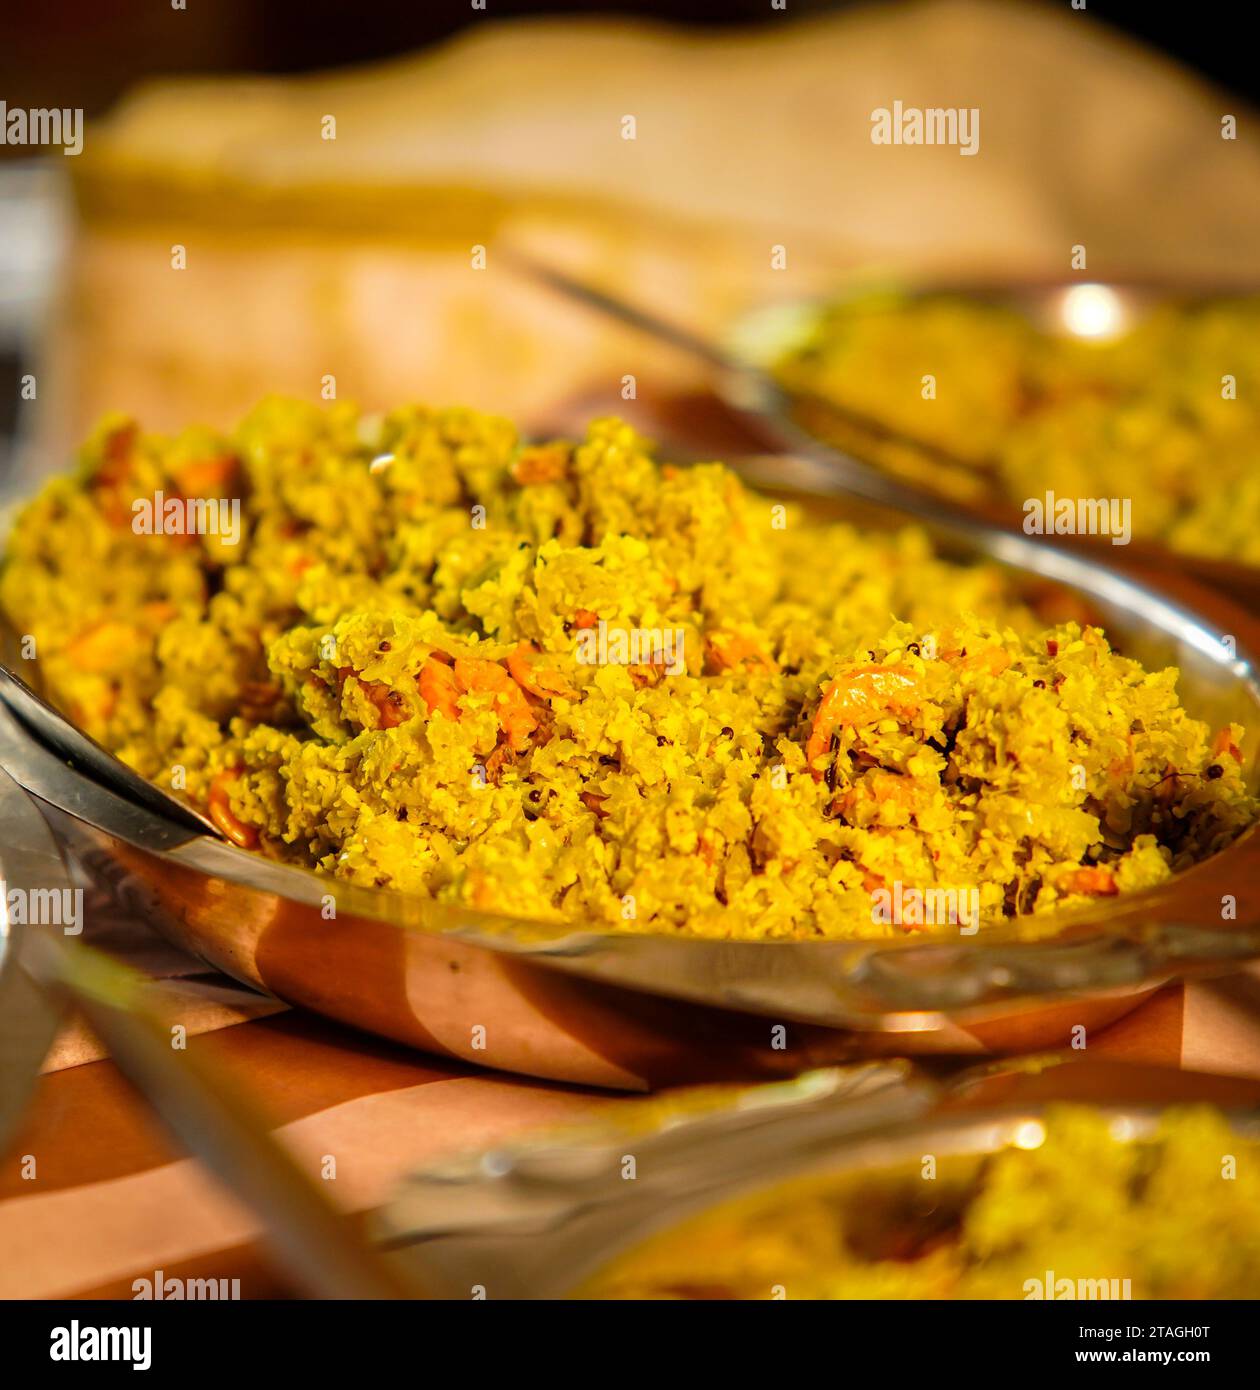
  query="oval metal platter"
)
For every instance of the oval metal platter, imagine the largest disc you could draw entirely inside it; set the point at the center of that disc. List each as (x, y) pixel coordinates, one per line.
(635, 1011)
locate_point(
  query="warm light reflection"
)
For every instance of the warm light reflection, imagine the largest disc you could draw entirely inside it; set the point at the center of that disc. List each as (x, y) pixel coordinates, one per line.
(1122, 1129)
(1031, 1134)
(1092, 311)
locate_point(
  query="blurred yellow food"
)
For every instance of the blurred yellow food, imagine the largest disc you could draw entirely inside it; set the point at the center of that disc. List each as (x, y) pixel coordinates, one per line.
(1085, 1212)
(1166, 415)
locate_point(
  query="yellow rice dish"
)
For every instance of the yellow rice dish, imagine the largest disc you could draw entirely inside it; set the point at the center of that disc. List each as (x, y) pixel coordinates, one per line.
(560, 680)
(1085, 1213)
(1166, 415)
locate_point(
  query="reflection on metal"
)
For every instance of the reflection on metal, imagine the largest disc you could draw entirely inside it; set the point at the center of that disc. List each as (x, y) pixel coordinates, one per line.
(29, 1016)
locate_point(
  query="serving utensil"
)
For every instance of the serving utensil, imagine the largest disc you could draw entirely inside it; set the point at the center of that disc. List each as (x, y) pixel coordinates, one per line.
(44, 973)
(29, 1015)
(744, 382)
(83, 753)
(532, 1219)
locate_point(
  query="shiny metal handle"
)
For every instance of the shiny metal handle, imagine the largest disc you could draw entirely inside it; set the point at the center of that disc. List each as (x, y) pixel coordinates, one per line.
(73, 746)
(41, 771)
(319, 1248)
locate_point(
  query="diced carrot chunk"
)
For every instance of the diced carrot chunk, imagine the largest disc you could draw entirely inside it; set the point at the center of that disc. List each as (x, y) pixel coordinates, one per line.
(1098, 882)
(221, 813)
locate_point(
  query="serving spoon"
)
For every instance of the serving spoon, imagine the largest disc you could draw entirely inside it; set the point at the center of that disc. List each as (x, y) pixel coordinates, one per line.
(764, 404)
(82, 752)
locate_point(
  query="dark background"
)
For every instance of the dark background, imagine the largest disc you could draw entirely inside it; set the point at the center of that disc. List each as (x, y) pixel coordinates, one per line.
(85, 52)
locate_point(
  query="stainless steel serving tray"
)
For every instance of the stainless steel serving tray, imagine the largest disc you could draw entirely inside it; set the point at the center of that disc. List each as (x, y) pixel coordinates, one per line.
(538, 1217)
(761, 336)
(634, 1011)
